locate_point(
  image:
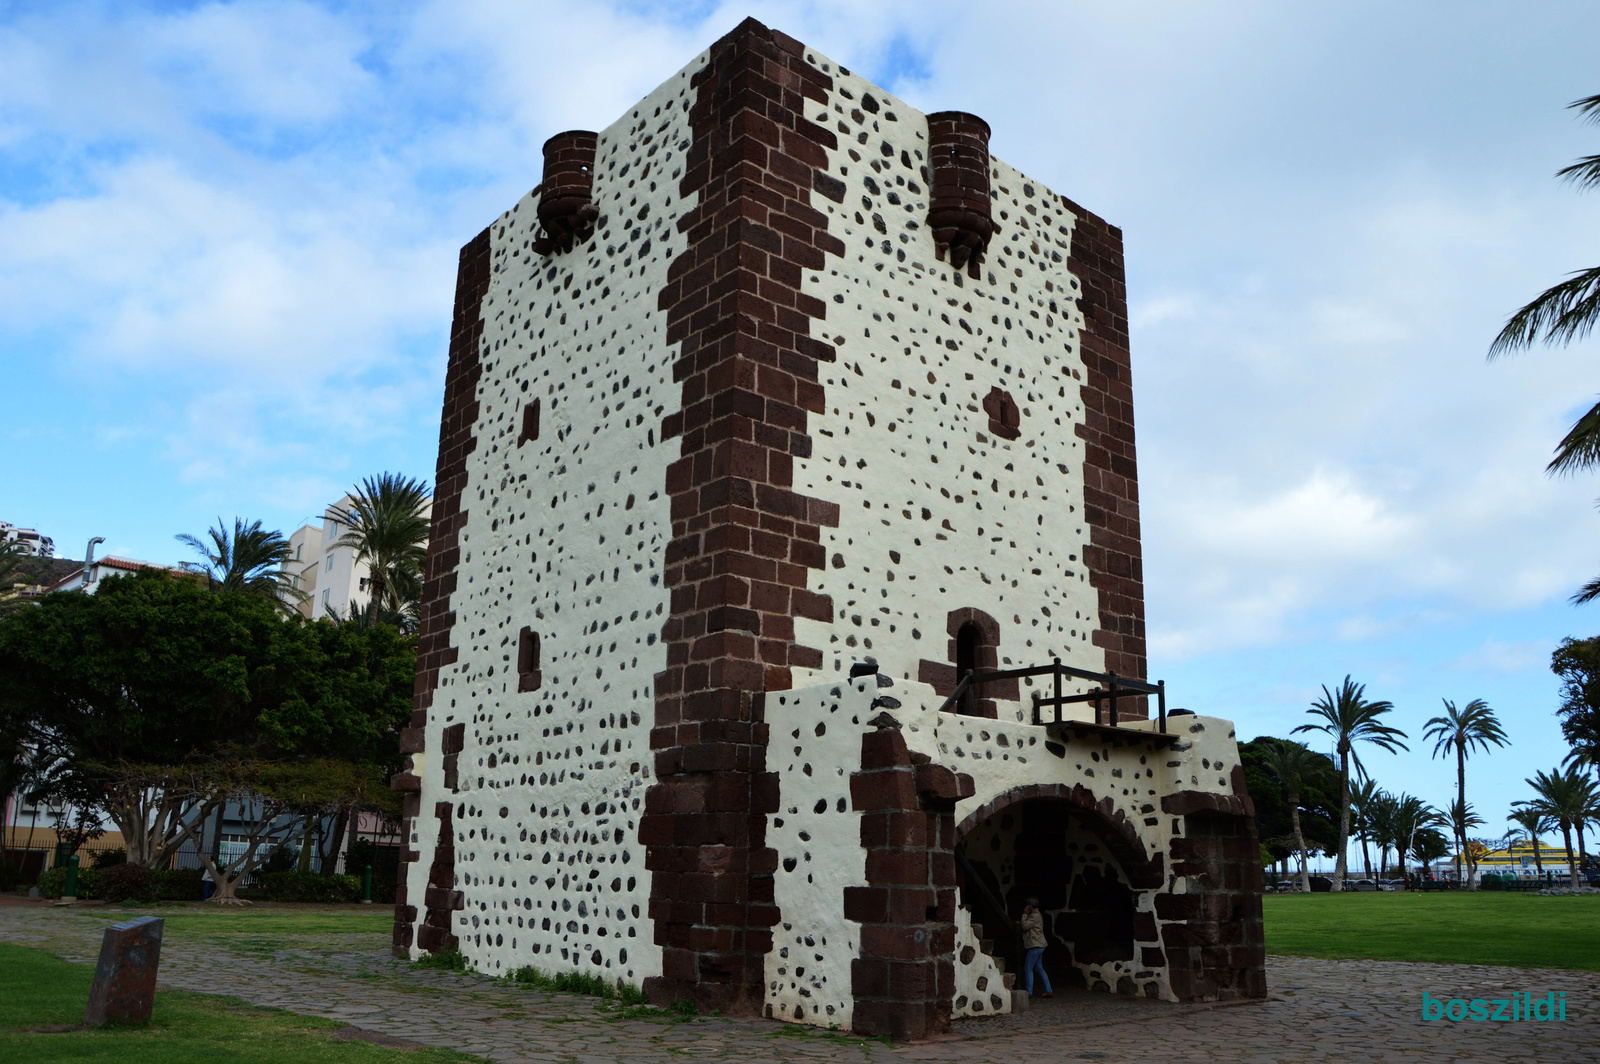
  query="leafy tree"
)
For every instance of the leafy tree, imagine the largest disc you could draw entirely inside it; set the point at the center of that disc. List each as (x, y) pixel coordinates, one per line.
(1459, 732)
(1577, 662)
(248, 560)
(14, 573)
(272, 799)
(1294, 766)
(388, 519)
(1318, 807)
(1533, 822)
(1348, 718)
(1562, 314)
(150, 689)
(1566, 797)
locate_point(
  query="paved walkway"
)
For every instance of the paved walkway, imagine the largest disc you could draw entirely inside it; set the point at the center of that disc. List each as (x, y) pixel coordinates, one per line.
(1319, 1010)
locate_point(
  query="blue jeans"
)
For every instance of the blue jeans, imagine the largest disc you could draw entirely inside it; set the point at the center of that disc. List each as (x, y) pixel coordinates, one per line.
(1035, 961)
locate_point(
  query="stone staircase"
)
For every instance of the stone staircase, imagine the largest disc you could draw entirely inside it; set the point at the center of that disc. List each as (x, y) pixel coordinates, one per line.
(987, 946)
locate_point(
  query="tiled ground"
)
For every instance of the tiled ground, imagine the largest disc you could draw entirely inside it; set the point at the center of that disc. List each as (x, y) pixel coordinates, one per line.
(1318, 1011)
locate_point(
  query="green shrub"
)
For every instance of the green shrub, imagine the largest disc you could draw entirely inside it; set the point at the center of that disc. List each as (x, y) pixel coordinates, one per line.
(126, 882)
(107, 858)
(54, 881)
(309, 886)
(178, 884)
(623, 994)
(450, 961)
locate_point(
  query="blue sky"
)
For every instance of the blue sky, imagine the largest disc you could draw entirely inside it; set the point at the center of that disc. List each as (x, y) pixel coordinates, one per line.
(227, 248)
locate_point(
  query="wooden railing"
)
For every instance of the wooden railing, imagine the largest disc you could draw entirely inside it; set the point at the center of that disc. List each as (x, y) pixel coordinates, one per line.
(1111, 688)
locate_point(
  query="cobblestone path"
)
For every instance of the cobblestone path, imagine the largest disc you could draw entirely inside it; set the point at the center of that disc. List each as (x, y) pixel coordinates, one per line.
(1318, 1010)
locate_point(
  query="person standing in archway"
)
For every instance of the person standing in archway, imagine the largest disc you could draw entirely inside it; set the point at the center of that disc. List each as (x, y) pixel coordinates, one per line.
(1033, 941)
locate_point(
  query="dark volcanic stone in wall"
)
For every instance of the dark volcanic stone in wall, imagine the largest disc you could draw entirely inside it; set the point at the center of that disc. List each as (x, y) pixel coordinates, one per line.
(457, 440)
(1110, 472)
(743, 540)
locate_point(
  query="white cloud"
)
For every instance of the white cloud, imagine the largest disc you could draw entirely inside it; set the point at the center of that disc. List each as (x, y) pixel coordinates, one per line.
(244, 217)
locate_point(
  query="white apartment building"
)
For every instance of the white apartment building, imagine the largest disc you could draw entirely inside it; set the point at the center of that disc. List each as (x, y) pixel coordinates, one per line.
(29, 539)
(330, 575)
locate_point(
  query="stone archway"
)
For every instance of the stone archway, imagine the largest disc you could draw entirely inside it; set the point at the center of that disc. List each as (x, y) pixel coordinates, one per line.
(1100, 814)
(1088, 869)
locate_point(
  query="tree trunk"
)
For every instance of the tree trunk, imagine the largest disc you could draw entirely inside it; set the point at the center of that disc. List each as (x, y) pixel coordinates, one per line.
(1572, 867)
(1344, 815)
(216, 834)
(304, 864)
(1461, 796)
(1300, 843)
(330, 856)
(1366, 856)
(375, 584)
(1538, 864)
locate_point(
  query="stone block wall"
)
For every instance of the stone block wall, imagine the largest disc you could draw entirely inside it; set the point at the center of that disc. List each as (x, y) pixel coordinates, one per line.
(1214, 936)
(904, 980)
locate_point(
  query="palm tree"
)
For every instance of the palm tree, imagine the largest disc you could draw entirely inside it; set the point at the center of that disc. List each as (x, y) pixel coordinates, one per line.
(1561, 314)
(1460, 732)
(1566, 797)
(1462, 820)
(1533, 822)
(1362, 798)
(1381, 812)
(249, 560)
(1411, 817)
(388, 519)
(1348, 718)
(1295, 767)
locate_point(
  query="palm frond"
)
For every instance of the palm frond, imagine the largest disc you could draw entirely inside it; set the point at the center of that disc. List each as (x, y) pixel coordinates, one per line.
(1587, 593)
(1580, 447)
(1561, 314)
(1585, 173)
(1588, 108)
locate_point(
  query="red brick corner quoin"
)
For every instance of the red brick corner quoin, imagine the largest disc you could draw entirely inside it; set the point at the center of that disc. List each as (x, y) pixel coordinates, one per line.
(457, 439)
(742, 539)
(1110, 472)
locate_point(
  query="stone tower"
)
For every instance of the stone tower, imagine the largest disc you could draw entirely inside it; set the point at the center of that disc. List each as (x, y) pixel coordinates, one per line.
(775, 409)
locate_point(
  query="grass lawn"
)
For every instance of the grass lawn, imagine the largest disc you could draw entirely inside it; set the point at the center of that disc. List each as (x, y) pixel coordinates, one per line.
(37, 990)
(1486, 927)
(255, 928)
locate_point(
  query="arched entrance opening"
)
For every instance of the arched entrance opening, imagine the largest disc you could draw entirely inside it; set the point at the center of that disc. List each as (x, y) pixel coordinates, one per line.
(1088, 875)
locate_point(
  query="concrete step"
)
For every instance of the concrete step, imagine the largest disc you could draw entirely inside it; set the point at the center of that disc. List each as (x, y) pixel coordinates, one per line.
(1009, 979)
(986, 944)
(977, 931)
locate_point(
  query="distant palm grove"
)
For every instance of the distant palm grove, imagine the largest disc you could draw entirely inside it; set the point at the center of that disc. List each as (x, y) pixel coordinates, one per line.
(1308, 801)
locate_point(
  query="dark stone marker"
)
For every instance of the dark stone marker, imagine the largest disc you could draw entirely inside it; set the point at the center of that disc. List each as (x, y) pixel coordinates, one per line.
(124, 987)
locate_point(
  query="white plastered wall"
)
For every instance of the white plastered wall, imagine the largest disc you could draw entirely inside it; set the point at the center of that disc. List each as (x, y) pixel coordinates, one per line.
(565, 534)
(1000, 755)
(936, 512)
